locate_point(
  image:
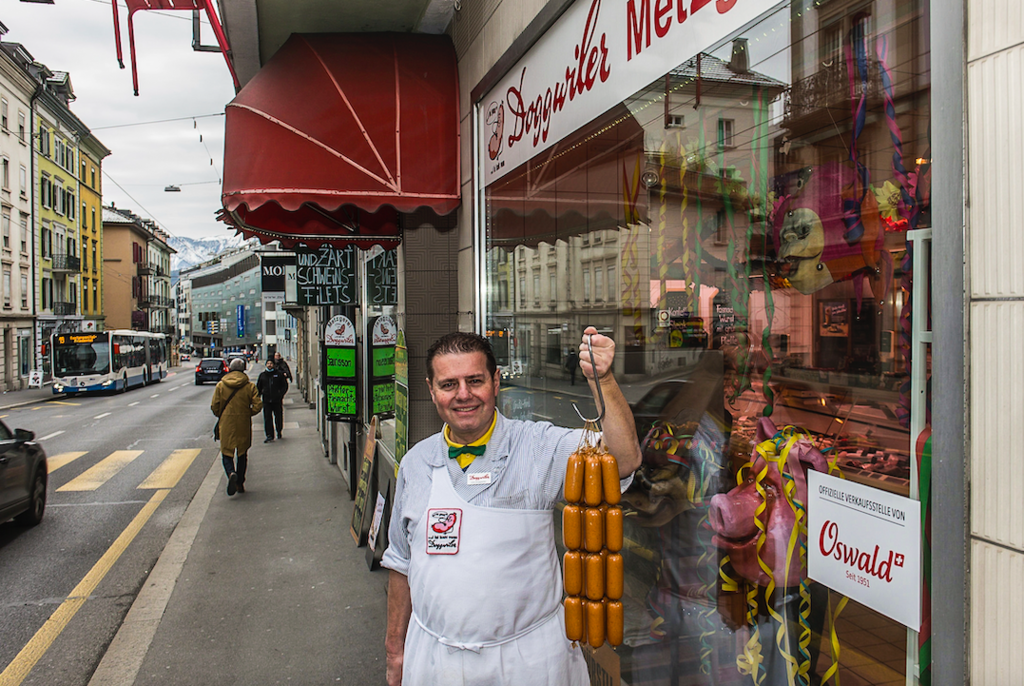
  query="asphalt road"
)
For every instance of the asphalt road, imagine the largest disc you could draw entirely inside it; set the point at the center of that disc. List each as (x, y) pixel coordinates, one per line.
(155, 445)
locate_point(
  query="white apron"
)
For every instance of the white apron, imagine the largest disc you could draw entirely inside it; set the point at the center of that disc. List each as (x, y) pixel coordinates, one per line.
(486, 598)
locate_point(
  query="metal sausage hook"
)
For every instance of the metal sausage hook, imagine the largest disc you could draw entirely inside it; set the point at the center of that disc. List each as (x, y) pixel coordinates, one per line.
(597, 382)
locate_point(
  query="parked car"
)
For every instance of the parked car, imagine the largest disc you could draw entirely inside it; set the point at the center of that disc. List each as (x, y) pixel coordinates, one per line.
(23, 473)
(211, 369)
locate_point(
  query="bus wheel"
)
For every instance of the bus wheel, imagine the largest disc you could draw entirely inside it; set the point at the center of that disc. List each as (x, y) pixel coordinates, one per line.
(124, 383)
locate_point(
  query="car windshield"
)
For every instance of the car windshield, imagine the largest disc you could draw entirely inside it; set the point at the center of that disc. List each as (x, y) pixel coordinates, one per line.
(79, 359)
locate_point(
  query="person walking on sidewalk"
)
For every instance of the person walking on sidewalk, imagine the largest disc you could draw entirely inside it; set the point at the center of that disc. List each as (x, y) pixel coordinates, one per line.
(272, 385)
(280, 363)
(483, 599)
(235, 402)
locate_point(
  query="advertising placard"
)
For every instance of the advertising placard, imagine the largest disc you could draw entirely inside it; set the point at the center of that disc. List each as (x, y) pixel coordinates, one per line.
(240, 320)
(382, 278)
(272, 271)
(338, 376)
(383, 336)
(401, 400)
(866, 544)
(326, 276)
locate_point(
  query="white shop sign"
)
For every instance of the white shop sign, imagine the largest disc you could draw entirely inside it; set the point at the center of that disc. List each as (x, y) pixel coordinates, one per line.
(866, 544)
(595, 56)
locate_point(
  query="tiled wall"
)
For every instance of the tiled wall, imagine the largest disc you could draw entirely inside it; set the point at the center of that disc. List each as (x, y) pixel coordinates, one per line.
(995, 102)
(431, 299)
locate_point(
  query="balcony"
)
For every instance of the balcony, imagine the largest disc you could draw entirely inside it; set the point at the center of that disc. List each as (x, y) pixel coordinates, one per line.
(59, 262)
(829, 89)
(156, 301)
(145, 269)
(64, 308)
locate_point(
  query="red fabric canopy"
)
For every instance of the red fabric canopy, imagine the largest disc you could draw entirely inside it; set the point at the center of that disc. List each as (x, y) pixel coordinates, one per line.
(336, 123)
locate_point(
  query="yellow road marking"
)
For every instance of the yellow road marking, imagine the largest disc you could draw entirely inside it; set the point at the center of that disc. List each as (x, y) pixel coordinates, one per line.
(62, 402)
(57, 461)
(171, 470)
(99, 473)
(23, 663)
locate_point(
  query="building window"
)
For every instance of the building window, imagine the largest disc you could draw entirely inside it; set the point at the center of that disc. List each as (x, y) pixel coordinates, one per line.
(94, 265)
(44, 141)
(21, 126)
(24, 235)
(44, 192)
(5, 173)
(598, 284)
(675, 121)
(552, 285)
(95, 296)
(3, 113)
(536, 285)
(94, 219)
(7, 288)
(92, 180)
(5, 231)
(522, 291)
(24, 292)
(586, 285)
(85, 262)
(23, 178)
(725, 134)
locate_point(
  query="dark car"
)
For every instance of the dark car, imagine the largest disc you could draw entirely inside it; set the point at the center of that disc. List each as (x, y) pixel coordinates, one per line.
(23, 473)
(211, 369)
(237, 356)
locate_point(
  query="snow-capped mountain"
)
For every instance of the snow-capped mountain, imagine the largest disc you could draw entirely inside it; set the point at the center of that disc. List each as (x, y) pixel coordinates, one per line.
(192, 251)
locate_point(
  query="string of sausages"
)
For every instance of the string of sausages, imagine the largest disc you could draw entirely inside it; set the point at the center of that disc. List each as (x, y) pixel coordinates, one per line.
(592, 532)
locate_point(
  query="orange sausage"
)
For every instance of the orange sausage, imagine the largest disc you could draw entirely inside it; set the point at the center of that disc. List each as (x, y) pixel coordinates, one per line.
(614, 622)
(574, 478)
(594, 564)
(593, 529)
(613, 574)
(613, 529)
(572, 527)
(595, 623)
(572, 572)
(610, 477)
(574, 619)
(592, 490)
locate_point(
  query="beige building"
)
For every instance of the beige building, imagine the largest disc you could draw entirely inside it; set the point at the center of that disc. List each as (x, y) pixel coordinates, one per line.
(136, 273)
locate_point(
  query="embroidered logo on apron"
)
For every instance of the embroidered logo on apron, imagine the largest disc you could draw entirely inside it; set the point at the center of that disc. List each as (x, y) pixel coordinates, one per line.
(443, 527)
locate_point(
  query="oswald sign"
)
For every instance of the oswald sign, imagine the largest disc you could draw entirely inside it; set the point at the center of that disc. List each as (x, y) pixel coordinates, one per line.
(595, 56)
(866, 544)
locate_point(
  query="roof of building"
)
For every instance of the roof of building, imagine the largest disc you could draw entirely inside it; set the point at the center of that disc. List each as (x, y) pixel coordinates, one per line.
(116, 215)
(716, 69)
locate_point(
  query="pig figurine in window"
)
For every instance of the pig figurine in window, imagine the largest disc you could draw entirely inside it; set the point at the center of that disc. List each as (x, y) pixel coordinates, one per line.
(732, 515)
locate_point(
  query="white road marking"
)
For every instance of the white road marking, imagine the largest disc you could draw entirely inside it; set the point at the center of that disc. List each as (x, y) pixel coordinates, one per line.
(53, 435)
(155, 395)
(101, 416)
(133, 404)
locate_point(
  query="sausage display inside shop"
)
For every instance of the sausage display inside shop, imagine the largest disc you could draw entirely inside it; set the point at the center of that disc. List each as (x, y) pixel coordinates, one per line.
(592, 533)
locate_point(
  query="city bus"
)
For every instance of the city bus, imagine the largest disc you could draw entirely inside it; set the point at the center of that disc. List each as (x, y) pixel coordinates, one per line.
(89, 362)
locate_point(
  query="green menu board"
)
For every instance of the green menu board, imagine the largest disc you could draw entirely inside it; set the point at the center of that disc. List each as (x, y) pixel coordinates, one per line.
(341, 399)
(384, 361)
(341, 363)
(384, 397)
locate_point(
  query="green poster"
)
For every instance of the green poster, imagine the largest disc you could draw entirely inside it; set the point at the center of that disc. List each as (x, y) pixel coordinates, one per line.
(401, 421)
(384, 361)
(384, 397)
(341, 399)
(341, 363)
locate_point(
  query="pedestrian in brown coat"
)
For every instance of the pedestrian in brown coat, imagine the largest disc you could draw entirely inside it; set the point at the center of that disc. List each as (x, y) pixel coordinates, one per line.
(235, 402)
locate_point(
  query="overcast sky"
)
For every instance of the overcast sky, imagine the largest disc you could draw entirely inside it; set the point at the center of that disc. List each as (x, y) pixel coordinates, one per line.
(77, 36)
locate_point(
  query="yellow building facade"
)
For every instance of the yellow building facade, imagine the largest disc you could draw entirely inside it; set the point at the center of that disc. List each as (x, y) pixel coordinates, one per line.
(90, 184)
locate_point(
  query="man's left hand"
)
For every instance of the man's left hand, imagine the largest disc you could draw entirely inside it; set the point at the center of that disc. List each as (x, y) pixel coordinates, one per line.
(604, 353)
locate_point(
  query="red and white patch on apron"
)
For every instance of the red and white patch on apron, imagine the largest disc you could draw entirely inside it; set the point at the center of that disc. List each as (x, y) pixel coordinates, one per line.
(443, 528)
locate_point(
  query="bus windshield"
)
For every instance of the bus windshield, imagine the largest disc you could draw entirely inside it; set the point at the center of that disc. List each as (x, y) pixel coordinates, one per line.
(80, 359)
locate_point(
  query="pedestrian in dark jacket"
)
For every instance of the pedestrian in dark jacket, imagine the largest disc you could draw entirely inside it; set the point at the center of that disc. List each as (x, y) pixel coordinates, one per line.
(280, 363)
(272, 386)
(235, 402)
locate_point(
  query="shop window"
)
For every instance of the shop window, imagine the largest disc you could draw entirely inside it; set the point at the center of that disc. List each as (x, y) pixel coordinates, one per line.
(759, 270)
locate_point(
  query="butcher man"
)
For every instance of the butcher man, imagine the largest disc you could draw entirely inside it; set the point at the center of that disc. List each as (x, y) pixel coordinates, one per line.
(474, 596)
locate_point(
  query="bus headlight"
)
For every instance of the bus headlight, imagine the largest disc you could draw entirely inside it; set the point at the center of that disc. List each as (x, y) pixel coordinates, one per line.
(58, 388)
(108, 382)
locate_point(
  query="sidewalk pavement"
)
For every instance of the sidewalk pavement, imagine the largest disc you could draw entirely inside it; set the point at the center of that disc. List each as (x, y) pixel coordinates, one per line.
(264, 587)
(28, 396)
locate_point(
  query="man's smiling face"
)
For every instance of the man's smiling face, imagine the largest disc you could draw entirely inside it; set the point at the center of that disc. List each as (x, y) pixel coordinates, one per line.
(802, 239)
(465, 394)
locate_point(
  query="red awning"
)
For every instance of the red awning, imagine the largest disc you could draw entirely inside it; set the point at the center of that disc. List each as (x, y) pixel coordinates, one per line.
(338, 126)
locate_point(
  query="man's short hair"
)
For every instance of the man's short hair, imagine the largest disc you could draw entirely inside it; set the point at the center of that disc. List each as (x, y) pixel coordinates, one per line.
(460, 342)
(237, 365)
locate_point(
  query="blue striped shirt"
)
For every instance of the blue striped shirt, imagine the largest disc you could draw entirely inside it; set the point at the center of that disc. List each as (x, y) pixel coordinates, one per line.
(526, 461)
